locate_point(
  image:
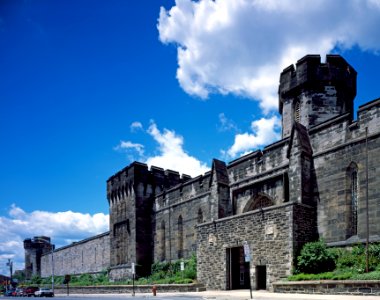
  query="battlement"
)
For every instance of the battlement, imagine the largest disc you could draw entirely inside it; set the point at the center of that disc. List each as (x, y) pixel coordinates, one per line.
(38, 242)
(310, 72)
(136, 172)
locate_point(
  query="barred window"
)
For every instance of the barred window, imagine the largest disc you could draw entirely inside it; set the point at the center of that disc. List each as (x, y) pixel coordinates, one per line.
(297, 112)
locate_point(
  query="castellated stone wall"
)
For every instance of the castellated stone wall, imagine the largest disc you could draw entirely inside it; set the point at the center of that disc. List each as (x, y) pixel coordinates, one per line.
(274, 235)
(340, 149)
(260, 173)
(177, 212)
(91, 255)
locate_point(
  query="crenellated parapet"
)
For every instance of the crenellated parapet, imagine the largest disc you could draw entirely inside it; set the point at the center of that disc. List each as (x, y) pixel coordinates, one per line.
(309, 71)
(131, 193)
(156, 179)
(34, 249)
(313, 92)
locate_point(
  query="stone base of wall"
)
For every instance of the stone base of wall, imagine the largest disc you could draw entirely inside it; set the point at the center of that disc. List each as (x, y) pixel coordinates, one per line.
(128, 289)
(120, 272)
(332, 287)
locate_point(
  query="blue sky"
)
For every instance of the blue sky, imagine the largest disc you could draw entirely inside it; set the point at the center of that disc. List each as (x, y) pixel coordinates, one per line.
(86, 87)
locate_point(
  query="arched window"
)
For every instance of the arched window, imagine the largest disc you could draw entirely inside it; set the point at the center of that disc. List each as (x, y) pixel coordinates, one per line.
(261, 200)
(180, 237)
(353, 199)
(200, 216)
(163, 241)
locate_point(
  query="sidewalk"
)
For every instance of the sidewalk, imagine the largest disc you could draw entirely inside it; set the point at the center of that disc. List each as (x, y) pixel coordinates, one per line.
(237, 295)
(245, 294)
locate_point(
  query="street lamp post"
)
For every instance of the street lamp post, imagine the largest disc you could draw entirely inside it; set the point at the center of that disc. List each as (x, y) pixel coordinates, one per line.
(52, 267)
(10, 265)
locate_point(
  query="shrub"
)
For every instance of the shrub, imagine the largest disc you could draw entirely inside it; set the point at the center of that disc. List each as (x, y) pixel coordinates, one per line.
(316, 258)
(166, 272)
(367, 276)
(355, 260)
(36, 279)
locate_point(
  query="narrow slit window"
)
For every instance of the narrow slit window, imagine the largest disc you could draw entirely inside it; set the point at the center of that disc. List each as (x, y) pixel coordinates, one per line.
(354, 202)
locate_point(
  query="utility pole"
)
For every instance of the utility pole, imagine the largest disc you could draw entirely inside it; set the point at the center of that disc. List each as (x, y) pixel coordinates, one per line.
(52, 267)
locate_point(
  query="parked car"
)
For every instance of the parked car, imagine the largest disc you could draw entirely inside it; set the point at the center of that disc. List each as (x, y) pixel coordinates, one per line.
(19, 292)
(9, 292)
(44, 292)
(30, 290)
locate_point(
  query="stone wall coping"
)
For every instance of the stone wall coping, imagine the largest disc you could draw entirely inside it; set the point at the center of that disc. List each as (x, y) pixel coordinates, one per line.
(368, 105)
(74, 244)
(319, 282)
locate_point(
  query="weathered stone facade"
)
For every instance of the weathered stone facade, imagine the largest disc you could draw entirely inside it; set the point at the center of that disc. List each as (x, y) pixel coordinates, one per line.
(91, 255)
(311, 184)
(273, 234)
(34, 249)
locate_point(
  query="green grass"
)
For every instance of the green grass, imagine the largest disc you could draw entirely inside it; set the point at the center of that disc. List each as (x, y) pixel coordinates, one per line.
(348, 264)
(162, 273)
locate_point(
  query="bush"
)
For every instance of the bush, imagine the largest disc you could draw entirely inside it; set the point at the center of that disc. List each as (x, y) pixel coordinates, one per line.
(355, 260)
(166, 272)
(367, 276)
(316, 258)
(36, 279)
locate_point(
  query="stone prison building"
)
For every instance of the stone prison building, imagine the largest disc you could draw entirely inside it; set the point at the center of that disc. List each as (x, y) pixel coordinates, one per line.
(313, 183)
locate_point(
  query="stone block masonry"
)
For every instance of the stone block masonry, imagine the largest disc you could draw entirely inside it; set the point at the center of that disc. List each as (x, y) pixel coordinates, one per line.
(270, 234)
(91, 255)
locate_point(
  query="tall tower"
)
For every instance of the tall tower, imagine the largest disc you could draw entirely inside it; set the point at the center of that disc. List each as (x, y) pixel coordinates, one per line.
(130, 194)
(34, 249)
(314, 92)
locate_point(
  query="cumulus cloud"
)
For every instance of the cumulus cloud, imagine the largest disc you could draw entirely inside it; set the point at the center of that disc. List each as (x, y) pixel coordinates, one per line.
(62, 227)
(240, 46)
(172, 155)
(264, 132)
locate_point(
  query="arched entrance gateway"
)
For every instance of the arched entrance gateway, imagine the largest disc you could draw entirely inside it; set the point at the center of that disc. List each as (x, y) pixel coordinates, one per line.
(238, 273)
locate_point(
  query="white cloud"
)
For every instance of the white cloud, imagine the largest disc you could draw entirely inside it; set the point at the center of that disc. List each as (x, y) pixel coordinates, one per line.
(172, 155)
(136, 126)
(127, 146)
(60, 226)
(264, 132)
(241, 46)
